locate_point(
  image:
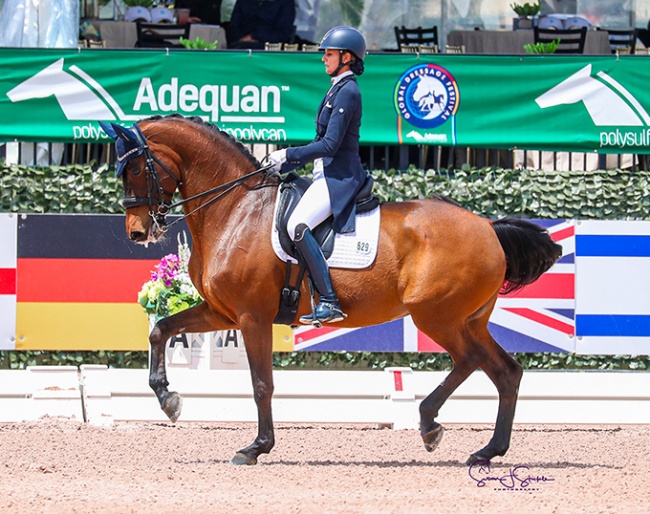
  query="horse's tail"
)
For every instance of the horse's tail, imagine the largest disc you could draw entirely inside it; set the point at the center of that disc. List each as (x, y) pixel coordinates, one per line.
(529, 250)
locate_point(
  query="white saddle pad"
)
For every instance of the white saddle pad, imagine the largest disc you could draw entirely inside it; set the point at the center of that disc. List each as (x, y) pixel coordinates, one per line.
(356, 250)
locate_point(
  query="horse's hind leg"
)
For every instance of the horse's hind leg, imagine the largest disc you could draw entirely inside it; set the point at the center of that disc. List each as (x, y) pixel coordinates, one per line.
(467, 356)
(430, 430)
(506, 375)
(195, 319)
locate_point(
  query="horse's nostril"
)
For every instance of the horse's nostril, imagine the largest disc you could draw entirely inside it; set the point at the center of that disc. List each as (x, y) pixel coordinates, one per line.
(136, 236)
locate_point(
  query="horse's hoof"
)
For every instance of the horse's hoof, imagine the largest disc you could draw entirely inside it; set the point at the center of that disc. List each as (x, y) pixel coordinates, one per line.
(474, 458)
(173, 406)
(432, 439)
(241, 459)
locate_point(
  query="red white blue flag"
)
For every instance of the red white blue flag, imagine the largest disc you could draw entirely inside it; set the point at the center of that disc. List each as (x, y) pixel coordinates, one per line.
(8, 281)
(538, 318)
(541, 317)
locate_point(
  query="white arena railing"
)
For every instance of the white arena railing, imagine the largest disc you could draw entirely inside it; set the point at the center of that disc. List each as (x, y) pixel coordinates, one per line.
(102, 396)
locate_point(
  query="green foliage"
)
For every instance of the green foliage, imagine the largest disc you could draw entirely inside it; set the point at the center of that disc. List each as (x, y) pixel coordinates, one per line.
(198, 44)
(334, 360)
(75, 189)
(490, 192)
(543, 361)
(22, 359)
(134, 3)
(542, 48)
(527, 9)
(443, 362)
(497, 192)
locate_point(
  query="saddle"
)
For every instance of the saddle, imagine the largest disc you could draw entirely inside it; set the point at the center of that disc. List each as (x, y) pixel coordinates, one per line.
(292, 187)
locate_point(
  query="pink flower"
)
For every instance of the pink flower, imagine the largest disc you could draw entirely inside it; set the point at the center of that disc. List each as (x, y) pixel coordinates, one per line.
(167, 269)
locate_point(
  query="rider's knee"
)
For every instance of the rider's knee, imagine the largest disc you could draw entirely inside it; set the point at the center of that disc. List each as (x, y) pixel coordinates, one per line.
(299, 231)
(294, 228)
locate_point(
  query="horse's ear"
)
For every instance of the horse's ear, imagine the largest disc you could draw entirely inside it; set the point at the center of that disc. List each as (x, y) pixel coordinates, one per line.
(115, 131)
(108, 128)
(125, 133)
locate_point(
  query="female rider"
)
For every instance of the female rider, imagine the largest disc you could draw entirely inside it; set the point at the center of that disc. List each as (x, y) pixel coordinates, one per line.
(338, 173)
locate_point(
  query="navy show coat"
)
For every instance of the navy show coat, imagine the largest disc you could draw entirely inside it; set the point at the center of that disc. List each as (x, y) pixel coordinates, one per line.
(337, 142)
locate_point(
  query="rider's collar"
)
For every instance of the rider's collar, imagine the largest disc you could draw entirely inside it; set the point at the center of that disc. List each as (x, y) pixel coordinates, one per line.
(338, 78)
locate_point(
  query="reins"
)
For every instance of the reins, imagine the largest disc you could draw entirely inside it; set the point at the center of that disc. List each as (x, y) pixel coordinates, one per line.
(154, 188)
(223, 188)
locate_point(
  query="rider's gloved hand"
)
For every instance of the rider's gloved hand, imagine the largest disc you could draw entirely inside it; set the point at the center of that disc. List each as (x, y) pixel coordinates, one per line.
(278, 158)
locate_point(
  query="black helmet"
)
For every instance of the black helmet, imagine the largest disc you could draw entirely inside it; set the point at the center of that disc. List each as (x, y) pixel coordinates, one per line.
(345, 38)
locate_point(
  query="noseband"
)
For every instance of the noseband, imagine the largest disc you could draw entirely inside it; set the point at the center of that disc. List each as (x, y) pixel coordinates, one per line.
(156, 193)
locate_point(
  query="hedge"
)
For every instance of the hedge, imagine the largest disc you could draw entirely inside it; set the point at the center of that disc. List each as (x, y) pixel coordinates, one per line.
(490, 192)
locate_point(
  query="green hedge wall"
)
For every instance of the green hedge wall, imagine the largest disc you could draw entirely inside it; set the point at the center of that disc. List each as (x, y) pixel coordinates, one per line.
(60, 189)
(490, 192)
(497, 192)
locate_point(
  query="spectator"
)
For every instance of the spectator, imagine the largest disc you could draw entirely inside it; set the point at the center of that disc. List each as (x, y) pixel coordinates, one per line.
(255, 22)
(202, 11)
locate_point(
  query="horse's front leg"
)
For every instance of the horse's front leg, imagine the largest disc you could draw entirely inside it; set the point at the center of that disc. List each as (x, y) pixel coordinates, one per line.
(258, 338)
(195, 319)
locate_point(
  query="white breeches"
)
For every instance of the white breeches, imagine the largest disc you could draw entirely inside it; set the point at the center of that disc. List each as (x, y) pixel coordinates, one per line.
(313, 208)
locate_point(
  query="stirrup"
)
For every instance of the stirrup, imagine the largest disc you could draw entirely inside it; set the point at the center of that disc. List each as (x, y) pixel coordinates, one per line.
(325, 313)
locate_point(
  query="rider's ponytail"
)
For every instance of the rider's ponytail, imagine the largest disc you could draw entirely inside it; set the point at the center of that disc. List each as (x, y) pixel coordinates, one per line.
(357, 67)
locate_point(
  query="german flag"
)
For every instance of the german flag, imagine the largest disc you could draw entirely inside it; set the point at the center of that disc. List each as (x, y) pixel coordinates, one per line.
(77, 282)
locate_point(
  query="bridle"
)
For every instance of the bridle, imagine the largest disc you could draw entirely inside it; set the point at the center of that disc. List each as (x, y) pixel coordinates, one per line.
(159, 207)
(155, 192)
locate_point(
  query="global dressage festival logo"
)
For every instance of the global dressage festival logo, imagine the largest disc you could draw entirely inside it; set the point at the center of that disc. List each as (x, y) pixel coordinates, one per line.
(426, 95)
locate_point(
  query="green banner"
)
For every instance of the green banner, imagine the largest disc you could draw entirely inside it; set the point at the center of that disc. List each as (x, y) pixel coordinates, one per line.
(573, 103)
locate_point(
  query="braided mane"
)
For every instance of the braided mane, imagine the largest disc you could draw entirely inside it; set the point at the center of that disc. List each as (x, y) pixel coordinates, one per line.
(199, 121)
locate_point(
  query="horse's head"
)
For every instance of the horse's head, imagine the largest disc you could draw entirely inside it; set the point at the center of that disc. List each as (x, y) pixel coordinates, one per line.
(149, 182)
(159, 155)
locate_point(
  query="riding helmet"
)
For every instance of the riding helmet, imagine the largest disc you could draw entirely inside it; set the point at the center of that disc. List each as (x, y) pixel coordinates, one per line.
(345, 38)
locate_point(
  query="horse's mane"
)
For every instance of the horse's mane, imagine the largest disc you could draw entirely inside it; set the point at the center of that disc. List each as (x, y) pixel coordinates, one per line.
(442, 198)
(199, 121)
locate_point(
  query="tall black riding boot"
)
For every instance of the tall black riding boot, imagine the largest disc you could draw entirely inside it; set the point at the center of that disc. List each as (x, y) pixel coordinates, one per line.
(328, 310)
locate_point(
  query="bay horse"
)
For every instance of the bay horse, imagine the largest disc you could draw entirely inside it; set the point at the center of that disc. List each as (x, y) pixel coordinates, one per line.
(437, 262)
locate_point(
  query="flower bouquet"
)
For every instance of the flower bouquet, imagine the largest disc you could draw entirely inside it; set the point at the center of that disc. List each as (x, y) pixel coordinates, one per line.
(170, 289)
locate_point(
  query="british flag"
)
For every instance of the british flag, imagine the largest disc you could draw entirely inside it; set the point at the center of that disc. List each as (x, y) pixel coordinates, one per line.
(541, 317)
(537, 318)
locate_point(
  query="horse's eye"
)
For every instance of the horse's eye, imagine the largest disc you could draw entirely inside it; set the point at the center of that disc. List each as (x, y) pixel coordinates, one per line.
(135, 169)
